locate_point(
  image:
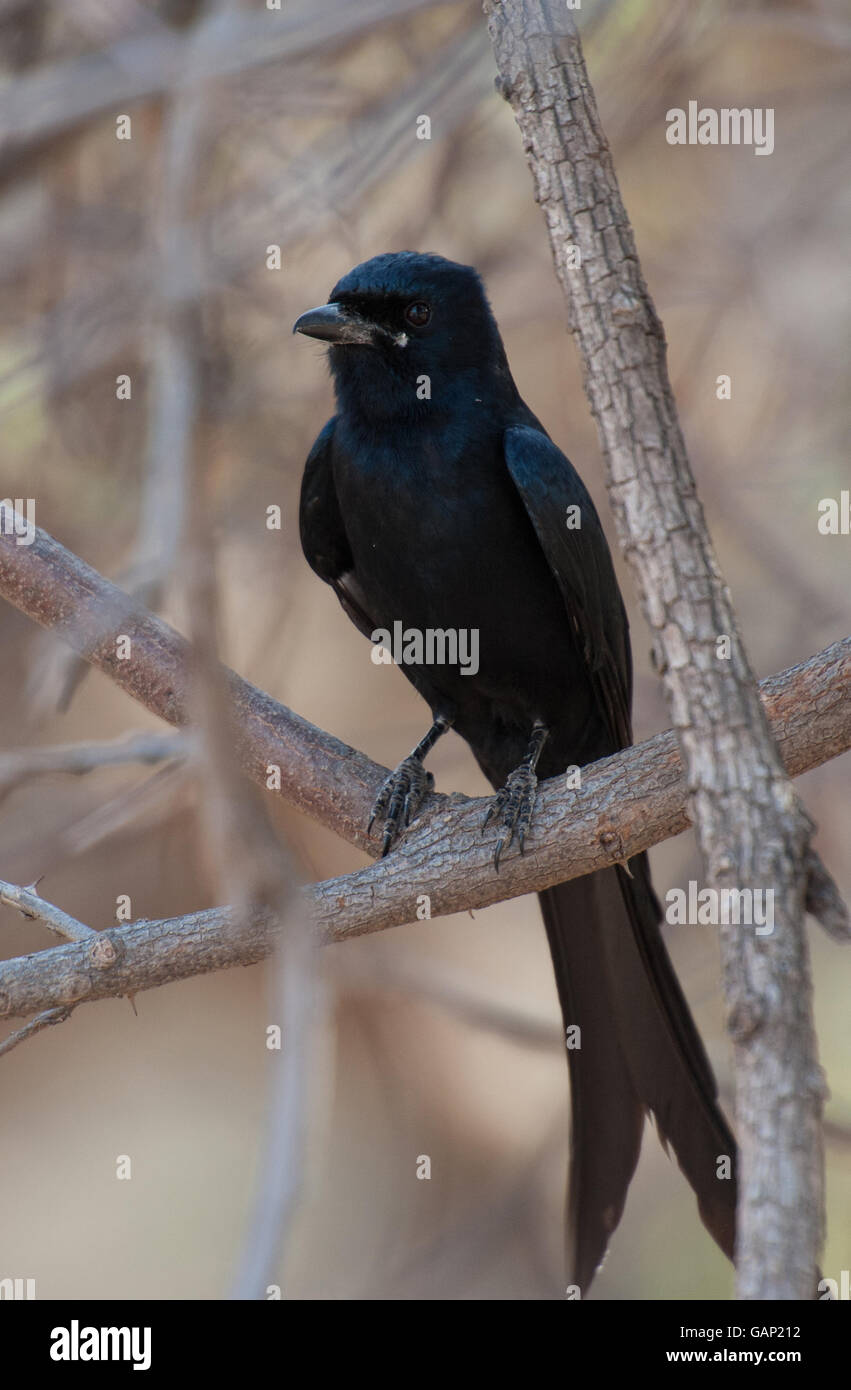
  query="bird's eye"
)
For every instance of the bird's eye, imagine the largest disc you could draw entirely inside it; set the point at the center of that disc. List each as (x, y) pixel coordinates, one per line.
(418, 314)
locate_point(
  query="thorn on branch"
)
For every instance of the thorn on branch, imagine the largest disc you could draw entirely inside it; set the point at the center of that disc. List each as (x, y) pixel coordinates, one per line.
(824, 901)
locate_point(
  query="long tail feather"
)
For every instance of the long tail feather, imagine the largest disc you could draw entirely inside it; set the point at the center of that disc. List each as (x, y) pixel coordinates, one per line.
(640, 1050)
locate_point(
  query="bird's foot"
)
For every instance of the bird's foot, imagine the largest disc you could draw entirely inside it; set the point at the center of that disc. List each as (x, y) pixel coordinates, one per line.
(400, 799)
(512, 807)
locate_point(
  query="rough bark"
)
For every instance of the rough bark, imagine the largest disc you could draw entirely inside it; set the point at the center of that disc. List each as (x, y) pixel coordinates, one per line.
(751, 828)
(628, 803)
(320, 775)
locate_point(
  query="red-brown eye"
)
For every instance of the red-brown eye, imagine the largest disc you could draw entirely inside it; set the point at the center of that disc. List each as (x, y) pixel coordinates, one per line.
(418, 314)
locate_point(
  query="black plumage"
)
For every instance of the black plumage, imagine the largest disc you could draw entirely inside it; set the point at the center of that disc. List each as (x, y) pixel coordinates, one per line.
(435, 497)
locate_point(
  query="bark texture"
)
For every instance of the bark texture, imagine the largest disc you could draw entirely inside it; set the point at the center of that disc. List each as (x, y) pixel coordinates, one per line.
(751, 828)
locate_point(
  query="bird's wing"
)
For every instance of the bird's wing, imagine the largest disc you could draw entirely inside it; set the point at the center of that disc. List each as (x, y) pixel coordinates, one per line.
(323, 534)
(581, 563)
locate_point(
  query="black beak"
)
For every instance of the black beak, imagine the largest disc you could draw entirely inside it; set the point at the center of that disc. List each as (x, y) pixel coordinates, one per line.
(334, 323)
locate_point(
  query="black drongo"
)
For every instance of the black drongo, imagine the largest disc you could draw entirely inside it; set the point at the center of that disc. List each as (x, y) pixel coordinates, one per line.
(434, 498)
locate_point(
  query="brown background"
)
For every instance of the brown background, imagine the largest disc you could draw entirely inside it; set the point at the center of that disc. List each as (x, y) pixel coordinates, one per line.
(747, 259)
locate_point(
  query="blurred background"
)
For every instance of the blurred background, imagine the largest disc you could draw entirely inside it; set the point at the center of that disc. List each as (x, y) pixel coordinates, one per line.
(253, 128)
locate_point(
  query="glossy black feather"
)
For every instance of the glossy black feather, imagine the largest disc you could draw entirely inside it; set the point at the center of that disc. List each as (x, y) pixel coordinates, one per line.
(449, 511)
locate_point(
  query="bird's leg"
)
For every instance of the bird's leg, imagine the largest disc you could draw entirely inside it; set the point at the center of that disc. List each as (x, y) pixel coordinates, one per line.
(514, 802)
(405, 789)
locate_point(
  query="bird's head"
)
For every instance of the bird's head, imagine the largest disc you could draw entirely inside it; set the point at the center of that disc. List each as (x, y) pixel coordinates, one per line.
(408, 333)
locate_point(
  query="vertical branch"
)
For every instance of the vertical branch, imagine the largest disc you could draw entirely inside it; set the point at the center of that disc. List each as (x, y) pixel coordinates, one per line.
(251, 867)
(751, 830)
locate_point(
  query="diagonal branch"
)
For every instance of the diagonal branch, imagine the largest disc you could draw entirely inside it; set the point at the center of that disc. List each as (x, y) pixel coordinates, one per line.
(54, 100)
(35, 1025)
(80, 758)
(751, 829)
(808, 706)
(628, 803)
(30, 904)
(320, 775)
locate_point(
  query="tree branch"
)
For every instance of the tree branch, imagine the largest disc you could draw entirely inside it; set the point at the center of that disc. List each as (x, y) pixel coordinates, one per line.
(80, 758)
(34, 1026)
(29, 904)
(320, 775)
(628, 803)
(808, 707)
(54, 100)
(751, 829)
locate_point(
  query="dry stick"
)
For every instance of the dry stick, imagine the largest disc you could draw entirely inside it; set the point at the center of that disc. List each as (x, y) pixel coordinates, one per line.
(31, 904)
(80, 758)
(53, 100)
(320, 775)
(628, 803)
(750, 827)
(35, 1025)
(325, 185)
(247, 861)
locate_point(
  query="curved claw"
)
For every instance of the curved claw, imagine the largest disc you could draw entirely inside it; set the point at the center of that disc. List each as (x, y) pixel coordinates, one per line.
(513, 804)
(399, 800)
(493, 808)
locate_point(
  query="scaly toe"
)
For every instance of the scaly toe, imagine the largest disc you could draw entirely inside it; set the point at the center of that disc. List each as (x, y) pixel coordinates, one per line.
(399, 800)
(513, 806)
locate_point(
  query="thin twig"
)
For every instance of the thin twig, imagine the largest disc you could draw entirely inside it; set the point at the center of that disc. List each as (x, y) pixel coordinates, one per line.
(808, 706)
(628, 803)
(53, 100)
(28, 902)
(35, 1025)
(80, 758)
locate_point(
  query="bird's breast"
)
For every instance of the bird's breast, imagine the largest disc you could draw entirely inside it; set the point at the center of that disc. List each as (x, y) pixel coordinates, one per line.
(442, 542)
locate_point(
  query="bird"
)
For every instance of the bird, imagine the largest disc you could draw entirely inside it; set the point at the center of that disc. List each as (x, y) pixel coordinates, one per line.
(434, 497)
